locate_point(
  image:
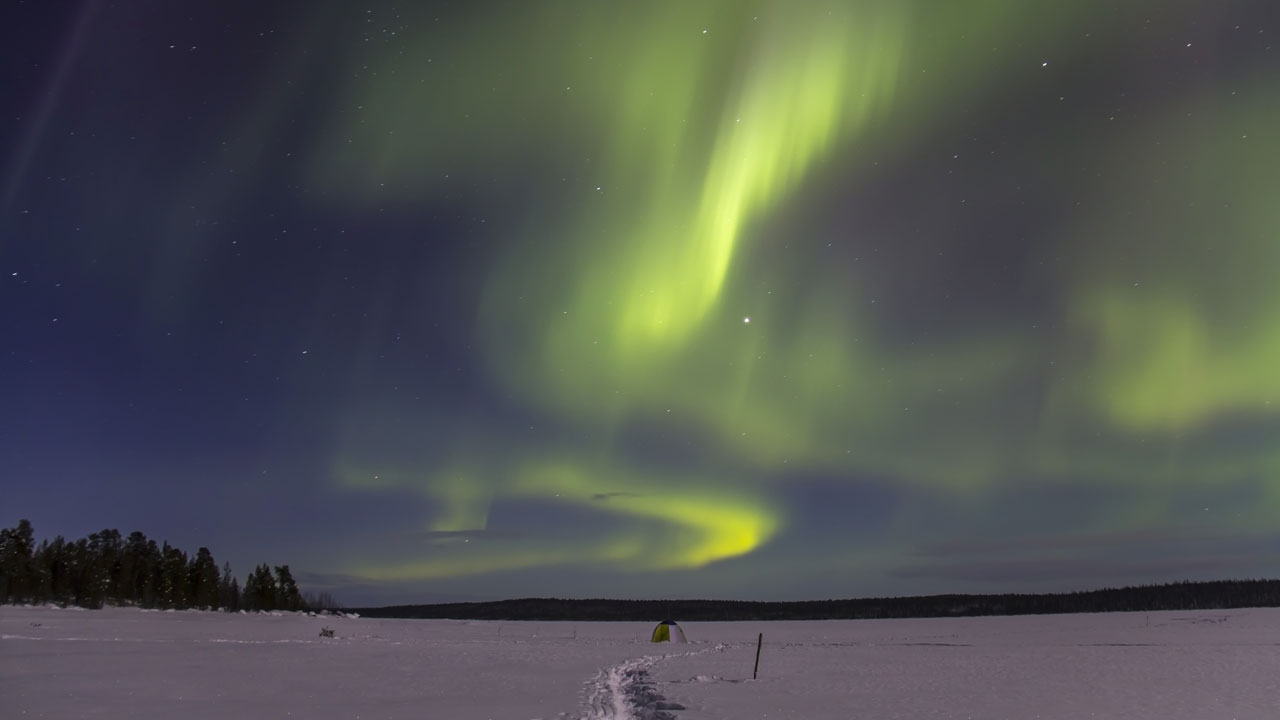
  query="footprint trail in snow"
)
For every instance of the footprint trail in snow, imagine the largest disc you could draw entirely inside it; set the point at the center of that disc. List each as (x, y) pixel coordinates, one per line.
(625, 691)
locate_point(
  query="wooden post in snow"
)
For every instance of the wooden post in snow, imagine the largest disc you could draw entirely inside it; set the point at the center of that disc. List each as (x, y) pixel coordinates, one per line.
(759, 642)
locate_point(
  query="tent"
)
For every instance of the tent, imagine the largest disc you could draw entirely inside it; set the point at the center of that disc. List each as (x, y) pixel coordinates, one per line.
(668, 631)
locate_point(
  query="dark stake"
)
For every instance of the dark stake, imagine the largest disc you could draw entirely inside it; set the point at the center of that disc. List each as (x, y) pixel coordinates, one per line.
(759, 642)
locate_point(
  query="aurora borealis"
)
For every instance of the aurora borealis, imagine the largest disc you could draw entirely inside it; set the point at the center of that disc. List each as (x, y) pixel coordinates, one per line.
(728, 299)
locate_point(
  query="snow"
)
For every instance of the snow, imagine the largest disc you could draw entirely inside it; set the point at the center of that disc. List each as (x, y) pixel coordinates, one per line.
(122, 663)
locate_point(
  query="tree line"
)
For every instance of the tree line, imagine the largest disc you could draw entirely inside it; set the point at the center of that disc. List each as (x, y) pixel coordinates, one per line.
(1212, 595)
(106, 568)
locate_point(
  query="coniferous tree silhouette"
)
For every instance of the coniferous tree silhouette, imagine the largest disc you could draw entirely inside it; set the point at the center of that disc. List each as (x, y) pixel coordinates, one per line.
(287, 595)
(174, 588)
(203, 577)
(17, 547)
(88, 577)
(251, 598)
(228, 590)
(106, 568)
(152, 574)
(104, 556)
(132, 565)
(266, 584)
(54, 560)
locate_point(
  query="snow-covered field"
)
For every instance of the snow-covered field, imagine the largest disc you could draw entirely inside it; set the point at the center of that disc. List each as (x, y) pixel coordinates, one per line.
(127, 663)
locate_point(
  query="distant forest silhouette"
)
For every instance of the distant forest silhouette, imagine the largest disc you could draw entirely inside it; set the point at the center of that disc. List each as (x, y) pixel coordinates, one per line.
(107, 569)
(1213, 595)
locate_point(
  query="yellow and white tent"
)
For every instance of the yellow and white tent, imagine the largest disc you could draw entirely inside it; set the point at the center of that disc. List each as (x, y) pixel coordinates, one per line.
(668, 631)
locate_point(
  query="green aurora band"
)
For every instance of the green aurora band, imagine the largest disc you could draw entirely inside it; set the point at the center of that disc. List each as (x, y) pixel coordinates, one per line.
(651, 292)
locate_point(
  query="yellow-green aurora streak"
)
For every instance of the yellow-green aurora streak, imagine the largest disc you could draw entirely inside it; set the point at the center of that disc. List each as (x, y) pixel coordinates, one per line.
(689, 522)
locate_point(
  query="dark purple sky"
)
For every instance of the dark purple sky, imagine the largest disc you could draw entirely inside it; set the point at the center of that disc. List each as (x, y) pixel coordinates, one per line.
(726, 299)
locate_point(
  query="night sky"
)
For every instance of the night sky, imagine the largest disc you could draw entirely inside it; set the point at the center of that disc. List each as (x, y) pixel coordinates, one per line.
(445, 301)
